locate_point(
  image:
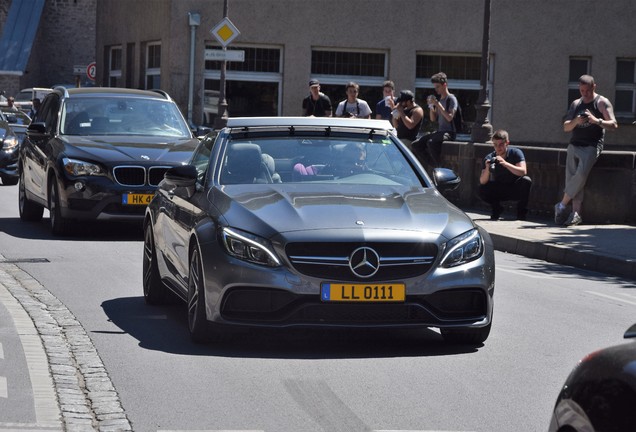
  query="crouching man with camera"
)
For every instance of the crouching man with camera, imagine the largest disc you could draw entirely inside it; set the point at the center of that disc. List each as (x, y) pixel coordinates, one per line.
(504, 177)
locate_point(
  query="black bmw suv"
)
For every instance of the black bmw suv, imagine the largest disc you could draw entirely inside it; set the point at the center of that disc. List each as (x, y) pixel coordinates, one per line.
(99, 154)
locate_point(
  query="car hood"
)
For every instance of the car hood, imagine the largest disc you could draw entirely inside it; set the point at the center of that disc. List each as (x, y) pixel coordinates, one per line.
(269, 209)
(130, 149)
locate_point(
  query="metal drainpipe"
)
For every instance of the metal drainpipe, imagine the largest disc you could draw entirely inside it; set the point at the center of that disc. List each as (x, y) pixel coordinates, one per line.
(194, 20)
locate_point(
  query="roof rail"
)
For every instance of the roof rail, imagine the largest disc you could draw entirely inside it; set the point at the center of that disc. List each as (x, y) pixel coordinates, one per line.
(62, 89)
(163, 93)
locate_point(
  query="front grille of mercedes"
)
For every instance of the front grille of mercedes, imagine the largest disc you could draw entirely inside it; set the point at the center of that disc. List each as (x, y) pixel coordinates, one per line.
(331, 259)
(139, 175)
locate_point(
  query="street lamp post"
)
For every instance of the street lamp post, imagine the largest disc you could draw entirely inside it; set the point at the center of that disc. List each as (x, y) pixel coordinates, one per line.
(221, 119)
(194, 19)
(482, 129)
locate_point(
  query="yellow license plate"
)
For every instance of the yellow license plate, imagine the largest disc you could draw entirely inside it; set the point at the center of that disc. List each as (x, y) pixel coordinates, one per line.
(136, 199)
(391, 292)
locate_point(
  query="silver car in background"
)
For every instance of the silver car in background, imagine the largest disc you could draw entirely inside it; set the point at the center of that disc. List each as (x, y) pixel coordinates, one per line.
(316, 222)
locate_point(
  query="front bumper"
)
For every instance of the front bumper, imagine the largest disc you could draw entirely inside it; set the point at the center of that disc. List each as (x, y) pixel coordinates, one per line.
(99, 198)
(240, 293)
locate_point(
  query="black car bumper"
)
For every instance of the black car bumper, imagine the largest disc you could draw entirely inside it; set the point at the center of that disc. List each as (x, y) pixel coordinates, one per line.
(99, 198)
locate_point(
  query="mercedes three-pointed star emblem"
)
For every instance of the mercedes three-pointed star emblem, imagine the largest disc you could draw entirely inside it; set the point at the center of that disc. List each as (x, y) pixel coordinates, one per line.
(364, 262)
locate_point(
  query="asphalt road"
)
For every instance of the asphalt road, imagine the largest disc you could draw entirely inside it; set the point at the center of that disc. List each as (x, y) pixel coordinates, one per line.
(546, 318)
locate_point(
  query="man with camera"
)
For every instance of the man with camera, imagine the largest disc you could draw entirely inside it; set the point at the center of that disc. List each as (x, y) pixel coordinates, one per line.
(352, 107)
(504, 177)
(587, 119)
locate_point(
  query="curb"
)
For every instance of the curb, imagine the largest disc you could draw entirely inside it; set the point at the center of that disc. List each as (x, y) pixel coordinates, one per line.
(559, 254)
(85, 395)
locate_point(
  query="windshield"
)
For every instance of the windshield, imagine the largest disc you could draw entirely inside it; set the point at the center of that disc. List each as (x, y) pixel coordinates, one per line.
(350, 158)
(122, 116)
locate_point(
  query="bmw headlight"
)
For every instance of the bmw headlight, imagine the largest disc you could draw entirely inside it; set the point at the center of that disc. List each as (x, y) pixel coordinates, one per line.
(248, 247)
(463, 248)
(77, 168)
(10, 144)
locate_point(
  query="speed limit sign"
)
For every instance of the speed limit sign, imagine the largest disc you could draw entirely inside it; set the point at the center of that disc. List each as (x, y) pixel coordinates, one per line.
(91, 71)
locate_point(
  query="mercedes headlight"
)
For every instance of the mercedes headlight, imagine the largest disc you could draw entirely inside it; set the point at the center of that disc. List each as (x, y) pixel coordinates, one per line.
(77, 168)
(463, 248)
(248, 247)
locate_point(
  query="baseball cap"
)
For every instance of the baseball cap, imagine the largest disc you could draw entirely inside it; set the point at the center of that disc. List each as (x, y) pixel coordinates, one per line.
(405, 95)
(313, 82)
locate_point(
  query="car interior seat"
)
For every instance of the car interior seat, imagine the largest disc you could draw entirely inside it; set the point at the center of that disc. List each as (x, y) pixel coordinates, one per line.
(245, 165)
(270, 165)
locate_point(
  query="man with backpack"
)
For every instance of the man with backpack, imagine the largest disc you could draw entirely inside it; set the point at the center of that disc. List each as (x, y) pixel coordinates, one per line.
(445, 111)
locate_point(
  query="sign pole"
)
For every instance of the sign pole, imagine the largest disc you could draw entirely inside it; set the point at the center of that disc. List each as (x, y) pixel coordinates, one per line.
(221, 119)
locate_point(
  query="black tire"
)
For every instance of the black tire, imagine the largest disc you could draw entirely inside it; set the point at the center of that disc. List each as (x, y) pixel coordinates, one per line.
(466, 336)
(29, 211)
(59, 224)
(201, 330)
(155, 292)
(10, 181)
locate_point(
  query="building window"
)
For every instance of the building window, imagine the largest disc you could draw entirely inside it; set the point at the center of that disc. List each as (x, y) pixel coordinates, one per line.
(256, 60)
(153, 65)
(459, 68)
(625, 100)
(464, 81)
(114, 67)
(334, 69)
(578, 66)
(348, 63)
(252, 87)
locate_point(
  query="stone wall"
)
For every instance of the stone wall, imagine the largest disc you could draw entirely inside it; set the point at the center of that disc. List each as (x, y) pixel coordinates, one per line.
(610, 193)
(65, 38)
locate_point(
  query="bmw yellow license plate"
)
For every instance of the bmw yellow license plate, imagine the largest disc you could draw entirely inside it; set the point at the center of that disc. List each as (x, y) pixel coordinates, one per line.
(136, 199)
(392, 292)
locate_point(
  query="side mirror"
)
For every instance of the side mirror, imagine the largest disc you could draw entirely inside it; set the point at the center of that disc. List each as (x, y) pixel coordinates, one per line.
(445, 179)
(36, 129)
(201, 131)
(180, 180)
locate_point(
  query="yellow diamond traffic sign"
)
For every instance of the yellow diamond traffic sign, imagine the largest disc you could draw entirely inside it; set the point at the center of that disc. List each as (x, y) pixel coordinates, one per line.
(225, 32)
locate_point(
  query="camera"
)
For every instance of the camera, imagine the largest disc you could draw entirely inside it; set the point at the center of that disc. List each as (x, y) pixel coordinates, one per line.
(493, 164)
(583, 115)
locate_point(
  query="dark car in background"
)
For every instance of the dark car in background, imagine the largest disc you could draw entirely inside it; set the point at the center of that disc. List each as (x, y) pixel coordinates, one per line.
(600, 393)
(99, 154)
(9, 149)
(18, 121)
(316, 222)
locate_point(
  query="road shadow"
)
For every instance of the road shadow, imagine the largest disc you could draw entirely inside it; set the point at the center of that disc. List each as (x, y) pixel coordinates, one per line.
(165, 328)
(82, 230)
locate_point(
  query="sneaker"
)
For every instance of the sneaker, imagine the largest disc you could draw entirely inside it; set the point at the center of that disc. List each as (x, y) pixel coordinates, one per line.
(559, 214)
(573, 219)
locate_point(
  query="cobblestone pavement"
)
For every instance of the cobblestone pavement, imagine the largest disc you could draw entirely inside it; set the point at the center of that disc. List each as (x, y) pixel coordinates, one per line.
(77, 393)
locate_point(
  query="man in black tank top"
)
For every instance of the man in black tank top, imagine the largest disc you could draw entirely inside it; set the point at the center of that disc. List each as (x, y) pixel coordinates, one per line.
(407, 117)
(587, 119)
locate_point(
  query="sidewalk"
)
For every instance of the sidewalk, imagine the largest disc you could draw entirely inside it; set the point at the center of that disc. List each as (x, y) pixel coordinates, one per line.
(609, 249)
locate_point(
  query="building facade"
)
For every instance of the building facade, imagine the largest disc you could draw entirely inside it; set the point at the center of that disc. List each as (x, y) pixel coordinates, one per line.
(64, 43)
(537, 51)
